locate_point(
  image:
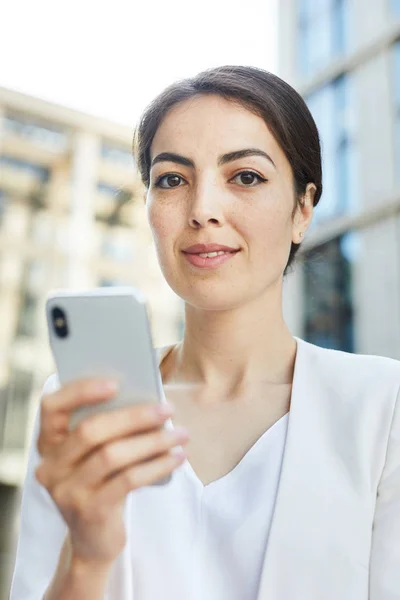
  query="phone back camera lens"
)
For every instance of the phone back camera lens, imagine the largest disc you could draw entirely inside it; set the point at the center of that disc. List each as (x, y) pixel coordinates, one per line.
(59, 322)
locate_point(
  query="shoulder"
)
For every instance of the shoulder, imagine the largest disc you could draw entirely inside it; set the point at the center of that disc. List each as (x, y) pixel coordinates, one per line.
(351, 366)
(359, 382)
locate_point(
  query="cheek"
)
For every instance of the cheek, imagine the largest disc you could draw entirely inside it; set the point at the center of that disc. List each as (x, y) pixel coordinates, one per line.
(162, 221)
(268, 232)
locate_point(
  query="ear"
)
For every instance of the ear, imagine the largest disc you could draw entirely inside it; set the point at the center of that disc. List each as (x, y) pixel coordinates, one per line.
(304, 214)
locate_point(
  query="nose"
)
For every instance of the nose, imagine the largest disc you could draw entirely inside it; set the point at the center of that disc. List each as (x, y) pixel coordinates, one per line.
(205, 207)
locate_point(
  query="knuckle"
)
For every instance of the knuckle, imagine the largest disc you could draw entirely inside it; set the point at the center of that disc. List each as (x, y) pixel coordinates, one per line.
(85, 433)
(77, 504)
(58, 496)
(144, 413)
(161, 441)
(84, 388)
(131, 479)
(108, 455)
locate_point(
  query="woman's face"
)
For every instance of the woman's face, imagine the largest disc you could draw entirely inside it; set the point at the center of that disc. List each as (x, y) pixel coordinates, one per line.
(211, 192)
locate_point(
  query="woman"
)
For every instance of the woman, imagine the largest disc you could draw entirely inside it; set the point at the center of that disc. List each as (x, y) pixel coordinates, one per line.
(291, 487)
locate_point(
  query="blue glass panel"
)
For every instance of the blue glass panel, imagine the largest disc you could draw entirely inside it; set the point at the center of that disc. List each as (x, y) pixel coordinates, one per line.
(329, 293)
(112, 283)
(320, 33)
(303, 58)
(396, 6)
(397, 72)
(333, 110)
(110, 190)
(37, 170)
(44, 135)
(2, 203)
(303, 11)
(340, 26)
(322, 107)
(117, 249)
(396, 88)
(117, 155)
(323, 32)
(397, 143)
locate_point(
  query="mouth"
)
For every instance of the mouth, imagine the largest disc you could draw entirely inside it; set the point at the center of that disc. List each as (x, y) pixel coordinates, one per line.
(209, 256)
(208, 248)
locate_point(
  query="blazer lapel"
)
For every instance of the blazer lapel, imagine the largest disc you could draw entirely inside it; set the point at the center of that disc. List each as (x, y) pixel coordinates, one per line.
(307, 546)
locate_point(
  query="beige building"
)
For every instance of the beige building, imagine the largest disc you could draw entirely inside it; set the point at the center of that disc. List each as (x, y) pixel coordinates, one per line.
(343, 56)
(71, 215)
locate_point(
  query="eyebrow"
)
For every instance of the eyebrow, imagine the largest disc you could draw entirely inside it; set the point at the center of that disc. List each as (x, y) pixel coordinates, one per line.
(222, 160)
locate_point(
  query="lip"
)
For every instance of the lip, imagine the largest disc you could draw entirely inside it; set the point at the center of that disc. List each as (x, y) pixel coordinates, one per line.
(213, 262)
(204, 248)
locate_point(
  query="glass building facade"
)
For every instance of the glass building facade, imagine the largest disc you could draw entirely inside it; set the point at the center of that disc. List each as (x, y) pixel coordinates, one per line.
(345, 61)
(323, 27)
(396, 91)
(395, 5)
(323, 38)
(329, 294)
(333, 109)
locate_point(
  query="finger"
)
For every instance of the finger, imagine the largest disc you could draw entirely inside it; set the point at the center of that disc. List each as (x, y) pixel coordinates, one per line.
(135, 477)
(55, 407)
(78, 392)
(97, 430)
(118, 455)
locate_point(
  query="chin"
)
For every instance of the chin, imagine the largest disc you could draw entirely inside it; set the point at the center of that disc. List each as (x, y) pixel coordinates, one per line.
(219, 297)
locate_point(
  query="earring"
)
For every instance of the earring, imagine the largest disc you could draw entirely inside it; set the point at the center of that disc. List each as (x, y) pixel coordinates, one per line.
(301, 234)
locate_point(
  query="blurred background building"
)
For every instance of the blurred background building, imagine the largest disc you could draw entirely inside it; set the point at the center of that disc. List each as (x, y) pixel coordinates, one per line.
(72, 216)
(343, 56)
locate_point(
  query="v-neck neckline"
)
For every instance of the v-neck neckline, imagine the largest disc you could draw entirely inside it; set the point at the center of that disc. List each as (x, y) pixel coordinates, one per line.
(162, 354)
(238, 468)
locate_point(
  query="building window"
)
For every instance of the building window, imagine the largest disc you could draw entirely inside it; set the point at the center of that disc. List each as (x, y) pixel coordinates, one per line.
(33, 282)
(105, 282)
(46, 136)
(27, 316)
(323, 33)
(396, 87)
(37, 171)
(333, 109)
(395, 4)
(16, 398)
(41, 227)
(118, 248)
(328, 293)
(3, 202)
(113, 205)
(117, 155)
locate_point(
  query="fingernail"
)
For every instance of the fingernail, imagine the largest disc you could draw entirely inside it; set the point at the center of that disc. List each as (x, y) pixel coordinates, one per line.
(178, 453)
(164, 410)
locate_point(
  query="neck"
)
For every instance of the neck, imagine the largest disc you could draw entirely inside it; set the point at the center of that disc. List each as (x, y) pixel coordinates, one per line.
(235, 348)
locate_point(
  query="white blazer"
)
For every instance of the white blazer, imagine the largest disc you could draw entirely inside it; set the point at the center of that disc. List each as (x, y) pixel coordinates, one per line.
(335, 531)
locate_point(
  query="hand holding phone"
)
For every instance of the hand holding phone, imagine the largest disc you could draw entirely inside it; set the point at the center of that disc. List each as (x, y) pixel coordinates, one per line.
(89, 470)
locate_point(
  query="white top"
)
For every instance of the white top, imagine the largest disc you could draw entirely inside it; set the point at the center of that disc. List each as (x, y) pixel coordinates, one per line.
(185, 540)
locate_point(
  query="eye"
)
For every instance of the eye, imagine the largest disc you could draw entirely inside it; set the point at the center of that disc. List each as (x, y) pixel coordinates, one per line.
(249, 178)
(170, 180)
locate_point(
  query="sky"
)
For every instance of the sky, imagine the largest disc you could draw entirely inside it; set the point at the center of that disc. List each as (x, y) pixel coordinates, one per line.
(111, 58)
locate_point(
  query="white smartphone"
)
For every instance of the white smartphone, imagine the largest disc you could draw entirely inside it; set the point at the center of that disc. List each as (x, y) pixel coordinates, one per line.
(104, 332)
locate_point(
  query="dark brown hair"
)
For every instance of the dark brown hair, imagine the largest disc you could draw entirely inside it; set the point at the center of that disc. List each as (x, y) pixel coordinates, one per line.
(262, 93)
